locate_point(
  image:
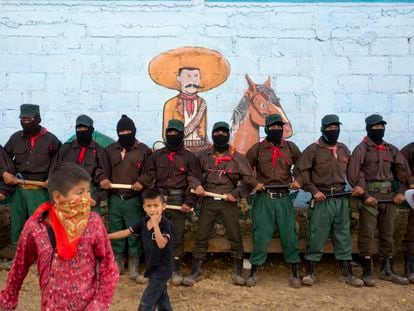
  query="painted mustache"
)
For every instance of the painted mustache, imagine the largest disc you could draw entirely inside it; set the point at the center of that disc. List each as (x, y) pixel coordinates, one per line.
(193, 85)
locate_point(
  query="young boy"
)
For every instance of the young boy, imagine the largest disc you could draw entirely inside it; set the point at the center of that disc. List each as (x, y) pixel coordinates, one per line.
(155, 230)
(74, 257)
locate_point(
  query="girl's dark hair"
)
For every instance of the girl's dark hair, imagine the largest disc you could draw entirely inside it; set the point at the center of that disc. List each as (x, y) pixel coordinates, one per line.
(65, 177)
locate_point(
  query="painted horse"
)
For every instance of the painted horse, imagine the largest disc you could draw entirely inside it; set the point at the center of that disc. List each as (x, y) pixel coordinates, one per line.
(259, 101)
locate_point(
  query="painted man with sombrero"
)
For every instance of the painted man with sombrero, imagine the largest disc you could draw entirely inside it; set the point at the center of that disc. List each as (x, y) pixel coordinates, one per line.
(189, 70)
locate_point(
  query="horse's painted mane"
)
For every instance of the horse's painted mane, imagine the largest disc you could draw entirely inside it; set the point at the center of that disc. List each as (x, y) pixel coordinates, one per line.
(241, 110)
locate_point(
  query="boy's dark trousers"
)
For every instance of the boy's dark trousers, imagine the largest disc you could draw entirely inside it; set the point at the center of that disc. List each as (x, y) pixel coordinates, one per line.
(155, 295)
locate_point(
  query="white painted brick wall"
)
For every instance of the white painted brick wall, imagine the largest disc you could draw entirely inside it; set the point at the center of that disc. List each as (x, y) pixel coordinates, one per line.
(73, 56)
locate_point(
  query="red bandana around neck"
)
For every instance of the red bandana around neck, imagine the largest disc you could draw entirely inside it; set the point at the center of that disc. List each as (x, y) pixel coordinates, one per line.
(277, 153)
(33, 138)
(68, 222)
(188, 100)
(171, 156)
(81, 155)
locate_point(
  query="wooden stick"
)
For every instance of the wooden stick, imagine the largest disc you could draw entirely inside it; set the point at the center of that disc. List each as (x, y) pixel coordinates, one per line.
(213, 195)
(176, 207)
(31, 182)
(121, 186)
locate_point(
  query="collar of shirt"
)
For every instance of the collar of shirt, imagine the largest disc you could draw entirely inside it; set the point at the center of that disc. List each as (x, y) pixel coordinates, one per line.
(43, 131)
(92, 144)
(369, 142)
(231, 151)
(268, 144)
(135, 146)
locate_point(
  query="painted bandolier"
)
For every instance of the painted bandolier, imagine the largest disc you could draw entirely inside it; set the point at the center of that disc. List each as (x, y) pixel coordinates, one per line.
(86, 152)
(127, 158)
(408, 242)
(272, 160)
(321, 170)
(175, 171)
(32, 151)
(225, 171)
(373, 166)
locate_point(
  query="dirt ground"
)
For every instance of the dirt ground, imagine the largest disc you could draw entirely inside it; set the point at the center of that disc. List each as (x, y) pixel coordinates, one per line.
(216, 292)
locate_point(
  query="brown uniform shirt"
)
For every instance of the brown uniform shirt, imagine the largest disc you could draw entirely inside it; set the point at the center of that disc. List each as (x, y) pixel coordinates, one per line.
(369, 164)
(408, 153)
(178, 170)
(269, 168)
(6, 165)
(95, 162)
(129, 169)
(317, 169)
(33, 156)
(221, 176)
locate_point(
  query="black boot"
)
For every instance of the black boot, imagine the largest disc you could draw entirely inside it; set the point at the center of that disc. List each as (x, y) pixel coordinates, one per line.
(120, 262)
(177, 278)
(367, 277)
(387, 273)
(347, 276)
(409, 267)
(310, 276)
(253, 277)
(294, 280)
(196, 273)
(133, 264)
(238, 278)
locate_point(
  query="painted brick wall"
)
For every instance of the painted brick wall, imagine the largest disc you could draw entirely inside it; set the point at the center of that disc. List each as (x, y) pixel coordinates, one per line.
(91, 57)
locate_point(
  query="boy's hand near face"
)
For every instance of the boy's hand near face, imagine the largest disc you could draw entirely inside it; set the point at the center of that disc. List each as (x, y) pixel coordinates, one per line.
(155, 219)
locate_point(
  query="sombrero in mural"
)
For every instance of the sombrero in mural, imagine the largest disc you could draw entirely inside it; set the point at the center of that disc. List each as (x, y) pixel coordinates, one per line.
(214, 68)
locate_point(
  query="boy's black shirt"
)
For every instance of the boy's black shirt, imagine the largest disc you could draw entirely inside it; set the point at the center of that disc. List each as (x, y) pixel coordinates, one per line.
(159, 261)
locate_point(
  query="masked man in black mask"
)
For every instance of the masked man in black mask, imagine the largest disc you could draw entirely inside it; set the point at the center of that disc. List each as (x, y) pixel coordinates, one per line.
(31, 151)
(321, 170)
(373, 166)
(175, 170)
(86, 152)
(127, 158)
(273, 159)
(225, 171)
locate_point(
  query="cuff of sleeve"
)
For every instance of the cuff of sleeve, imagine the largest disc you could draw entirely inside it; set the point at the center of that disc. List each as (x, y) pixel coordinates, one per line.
(235, 193)
(312, 189)
(410, 180)
(365, 196)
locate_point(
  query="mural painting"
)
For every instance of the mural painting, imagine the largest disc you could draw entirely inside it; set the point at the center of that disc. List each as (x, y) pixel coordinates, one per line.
(189, 70)
(258, 101)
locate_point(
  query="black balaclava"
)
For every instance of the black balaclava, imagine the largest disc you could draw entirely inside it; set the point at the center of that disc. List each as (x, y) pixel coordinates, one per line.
(375, 135)
(33, 127)
(330, 137)
(174, 142)
(84, 138)
(127, 141)
(221, 142)
(274, 136)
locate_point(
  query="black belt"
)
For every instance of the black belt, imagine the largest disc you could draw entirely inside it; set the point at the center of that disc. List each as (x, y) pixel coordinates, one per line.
(125, 196)
(276, 194)
(332, 190)
(172, 192)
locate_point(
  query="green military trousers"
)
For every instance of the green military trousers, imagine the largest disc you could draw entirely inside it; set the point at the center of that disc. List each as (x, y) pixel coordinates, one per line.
(23, 204)
(382, 217)
(122, 214)
(270, 213)
(330, 217)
